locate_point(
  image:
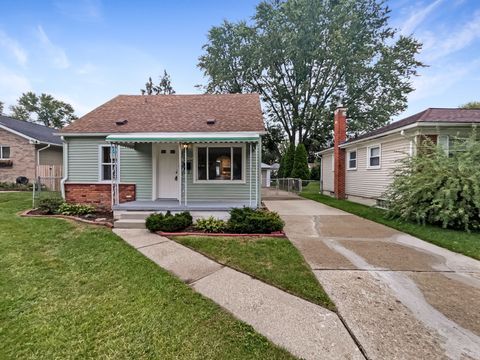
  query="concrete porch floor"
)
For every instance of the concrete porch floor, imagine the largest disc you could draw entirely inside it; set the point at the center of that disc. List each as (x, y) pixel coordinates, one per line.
(175, 205)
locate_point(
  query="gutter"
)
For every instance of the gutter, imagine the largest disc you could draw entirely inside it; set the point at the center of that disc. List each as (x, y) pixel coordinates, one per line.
(65, 168)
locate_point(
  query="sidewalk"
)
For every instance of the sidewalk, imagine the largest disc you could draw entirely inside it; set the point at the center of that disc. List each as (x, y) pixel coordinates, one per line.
(303, 328)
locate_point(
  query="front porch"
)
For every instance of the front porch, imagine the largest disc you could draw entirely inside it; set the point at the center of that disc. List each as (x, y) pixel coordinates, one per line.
(175, 205)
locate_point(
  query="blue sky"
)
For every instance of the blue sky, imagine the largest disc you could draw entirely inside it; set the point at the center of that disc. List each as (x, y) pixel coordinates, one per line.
(87, 51)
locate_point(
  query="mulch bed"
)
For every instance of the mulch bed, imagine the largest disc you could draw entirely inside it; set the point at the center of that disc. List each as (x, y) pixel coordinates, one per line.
(103, 218)
(279, 234)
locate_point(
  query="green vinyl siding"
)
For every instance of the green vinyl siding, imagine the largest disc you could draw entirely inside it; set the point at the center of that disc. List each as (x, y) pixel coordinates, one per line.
(136, 167)
(224, 191)
(83, 159)
(135, 164)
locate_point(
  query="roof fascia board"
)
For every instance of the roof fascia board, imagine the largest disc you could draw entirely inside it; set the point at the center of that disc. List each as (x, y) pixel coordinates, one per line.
(18, 133)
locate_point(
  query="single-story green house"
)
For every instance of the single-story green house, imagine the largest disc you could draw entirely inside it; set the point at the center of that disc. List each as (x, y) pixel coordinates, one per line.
(166, 152)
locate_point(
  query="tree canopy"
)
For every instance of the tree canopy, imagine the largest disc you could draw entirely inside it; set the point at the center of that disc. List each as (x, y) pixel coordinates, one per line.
(43, 109)
(305, 56)
(471, 105)
(164, 86)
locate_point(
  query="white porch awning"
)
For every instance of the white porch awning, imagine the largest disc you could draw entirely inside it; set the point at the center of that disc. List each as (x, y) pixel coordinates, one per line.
(184, 137)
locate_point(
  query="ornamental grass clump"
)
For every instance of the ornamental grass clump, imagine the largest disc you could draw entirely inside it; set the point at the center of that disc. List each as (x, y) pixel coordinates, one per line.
(439, 187)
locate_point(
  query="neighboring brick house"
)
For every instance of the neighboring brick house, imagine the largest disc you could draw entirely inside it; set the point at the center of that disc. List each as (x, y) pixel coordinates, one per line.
(361, 168)
(24, 146)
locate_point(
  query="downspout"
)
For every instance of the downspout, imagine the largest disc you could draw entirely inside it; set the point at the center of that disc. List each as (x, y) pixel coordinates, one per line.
(38, 163)
(65, 167)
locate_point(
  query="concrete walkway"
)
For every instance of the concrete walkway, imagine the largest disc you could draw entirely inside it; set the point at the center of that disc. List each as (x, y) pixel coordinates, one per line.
(305, 329)
(401, 297)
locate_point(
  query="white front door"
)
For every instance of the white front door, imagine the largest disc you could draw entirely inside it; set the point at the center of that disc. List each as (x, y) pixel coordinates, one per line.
(168, 171)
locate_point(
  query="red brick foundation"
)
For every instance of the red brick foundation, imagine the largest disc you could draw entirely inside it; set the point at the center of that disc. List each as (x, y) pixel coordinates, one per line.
(99, 195)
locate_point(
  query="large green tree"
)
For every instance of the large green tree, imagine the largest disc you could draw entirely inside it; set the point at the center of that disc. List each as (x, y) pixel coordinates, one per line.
(43, 109)
(471, 105)
(163, 87)
(305, 56)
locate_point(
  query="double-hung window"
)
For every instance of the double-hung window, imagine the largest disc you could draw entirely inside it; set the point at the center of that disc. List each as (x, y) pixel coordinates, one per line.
(352, 160)
(374, 154)
(4, 152)
(451, 144)
(105, 163)
(219, 163)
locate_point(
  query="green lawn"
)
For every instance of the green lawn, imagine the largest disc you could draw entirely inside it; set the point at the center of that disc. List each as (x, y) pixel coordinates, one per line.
(273, 260)
(458, 241)
(77, 291)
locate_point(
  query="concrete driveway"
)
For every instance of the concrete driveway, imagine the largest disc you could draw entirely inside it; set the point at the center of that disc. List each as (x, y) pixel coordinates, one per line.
(401, 297)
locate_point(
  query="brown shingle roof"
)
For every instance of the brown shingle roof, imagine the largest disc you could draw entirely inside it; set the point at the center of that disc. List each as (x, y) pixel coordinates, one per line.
(438, 115)
(173, 113)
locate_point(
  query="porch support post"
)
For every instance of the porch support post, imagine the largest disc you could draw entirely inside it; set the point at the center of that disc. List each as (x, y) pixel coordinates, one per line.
(185, 147)
(250, 158)
(114, 158)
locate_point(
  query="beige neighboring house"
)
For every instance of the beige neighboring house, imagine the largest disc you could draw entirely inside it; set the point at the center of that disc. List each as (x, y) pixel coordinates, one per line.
(26, 149)
(361, 168)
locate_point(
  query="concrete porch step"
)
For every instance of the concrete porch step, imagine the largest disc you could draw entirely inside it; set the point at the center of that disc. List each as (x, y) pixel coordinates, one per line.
(129, 224)
(139, 215)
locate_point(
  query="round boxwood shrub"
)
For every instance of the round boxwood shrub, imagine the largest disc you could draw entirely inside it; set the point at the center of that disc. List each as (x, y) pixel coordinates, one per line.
(254, 221)
(168, 222)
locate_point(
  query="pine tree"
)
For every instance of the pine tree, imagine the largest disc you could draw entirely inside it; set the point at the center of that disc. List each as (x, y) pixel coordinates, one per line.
(300, 164)
(289, 160)
(281, 169)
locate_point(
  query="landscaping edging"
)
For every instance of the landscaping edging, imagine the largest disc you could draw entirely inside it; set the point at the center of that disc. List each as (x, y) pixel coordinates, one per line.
(279, 234)
(26, 213)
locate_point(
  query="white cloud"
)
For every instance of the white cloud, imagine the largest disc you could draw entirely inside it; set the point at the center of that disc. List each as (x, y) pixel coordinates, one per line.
(457, 40)
(13, 47)
(81, 9)
(438, 81)
(57, 54)
(12, 85)
(417, 17)
(86, 69)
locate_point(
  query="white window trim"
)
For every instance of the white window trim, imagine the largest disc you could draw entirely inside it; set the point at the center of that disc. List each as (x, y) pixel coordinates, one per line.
(1, 152)
(100, 163)
(230, 145)
(447, 143)
(379, 166)
(356, 159)
(333, 162)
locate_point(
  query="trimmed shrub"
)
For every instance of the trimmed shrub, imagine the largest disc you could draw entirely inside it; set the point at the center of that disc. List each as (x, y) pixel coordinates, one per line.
(438, 188)
(75, 209)
(300, 164)
(50, 204)
(254, 221)
(210, 225)
(168, 222)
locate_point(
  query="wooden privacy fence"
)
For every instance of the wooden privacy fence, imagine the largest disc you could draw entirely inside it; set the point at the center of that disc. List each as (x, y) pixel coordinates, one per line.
(50, 176)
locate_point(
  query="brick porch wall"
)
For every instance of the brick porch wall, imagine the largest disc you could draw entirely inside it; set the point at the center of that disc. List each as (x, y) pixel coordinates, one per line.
(99, 195)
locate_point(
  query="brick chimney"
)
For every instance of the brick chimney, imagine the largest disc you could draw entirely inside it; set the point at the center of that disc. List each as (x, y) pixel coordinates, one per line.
(339, 136)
